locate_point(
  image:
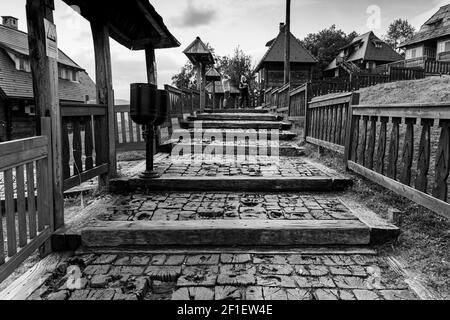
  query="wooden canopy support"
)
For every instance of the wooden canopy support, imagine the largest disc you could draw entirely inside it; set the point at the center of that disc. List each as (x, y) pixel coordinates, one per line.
(287, 44)
(105, 93)
(45, 85)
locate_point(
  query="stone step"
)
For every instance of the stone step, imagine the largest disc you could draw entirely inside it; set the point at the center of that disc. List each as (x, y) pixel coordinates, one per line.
(234, 117)
(257, 125)
(221, 134)
(271, 149)
(231, 183)
(226, 233)
(235, 111)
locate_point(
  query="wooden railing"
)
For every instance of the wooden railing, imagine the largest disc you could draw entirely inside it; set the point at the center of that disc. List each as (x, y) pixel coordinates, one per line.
(429, 66)
(437, 67)
(26, 200)
(283, 95)
(403, 147)
(327, 121)
(128, 134)
(84, 143)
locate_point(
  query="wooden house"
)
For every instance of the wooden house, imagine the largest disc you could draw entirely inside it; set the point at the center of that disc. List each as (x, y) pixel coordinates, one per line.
(271, 67)
(17, 106)
(432, 42)
(363, 54)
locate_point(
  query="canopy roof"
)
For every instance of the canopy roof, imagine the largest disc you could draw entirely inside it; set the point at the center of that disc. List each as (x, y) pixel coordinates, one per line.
(198, 52)
(134, 24)
(213, 75)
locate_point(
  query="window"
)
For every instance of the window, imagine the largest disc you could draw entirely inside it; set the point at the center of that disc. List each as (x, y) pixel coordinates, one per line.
(74, 75)
(413, 53)
(447, 46)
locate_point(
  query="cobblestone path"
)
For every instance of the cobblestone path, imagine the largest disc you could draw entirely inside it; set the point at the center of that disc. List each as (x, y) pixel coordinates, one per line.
(220, 276)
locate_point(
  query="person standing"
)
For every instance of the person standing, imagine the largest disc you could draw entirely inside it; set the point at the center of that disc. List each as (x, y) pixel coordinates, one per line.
(245, 93)
(226, 89)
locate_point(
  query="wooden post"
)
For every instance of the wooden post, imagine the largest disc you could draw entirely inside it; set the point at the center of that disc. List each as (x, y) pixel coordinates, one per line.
(350, 128)
(152, 78)
(214, 95)
(45, 85)
(105, 93)
(287, 42)
(202, 87)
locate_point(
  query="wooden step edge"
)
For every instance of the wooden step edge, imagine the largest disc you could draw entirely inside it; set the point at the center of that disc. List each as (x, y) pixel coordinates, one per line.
(226, 232)
(232, 183)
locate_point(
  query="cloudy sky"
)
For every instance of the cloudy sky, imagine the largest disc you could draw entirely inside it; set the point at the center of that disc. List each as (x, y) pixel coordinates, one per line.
(225, 24)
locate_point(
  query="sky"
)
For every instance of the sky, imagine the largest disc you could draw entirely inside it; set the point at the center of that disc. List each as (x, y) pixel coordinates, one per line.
(225, 24)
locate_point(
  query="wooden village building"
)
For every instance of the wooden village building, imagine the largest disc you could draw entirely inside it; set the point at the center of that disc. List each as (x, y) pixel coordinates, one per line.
(363, 54)
(220, 94)
(432, 42)
(271, 67)
(17, 107)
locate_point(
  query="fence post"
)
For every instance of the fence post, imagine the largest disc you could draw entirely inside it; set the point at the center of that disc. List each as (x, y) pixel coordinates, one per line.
(307, 99)
(349, 130)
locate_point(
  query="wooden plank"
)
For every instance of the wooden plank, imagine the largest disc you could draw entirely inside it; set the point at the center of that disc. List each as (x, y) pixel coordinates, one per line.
(408, 152)
(2, 238)
(226, 232)
(131, 129)
(15, 261)
(88, 143)
(123, 128)
(393, 149)
(362, 149)
(431, 111)
(77, 148)
(320, 183)
(326, 101)
(440, 207)
(355, 138)
(423, 163)
(21, 206)
(382, 140)
(65, 149)
(326, 145)
(372, 142)
(83, 110)
(85, 176)
(10, 213)
(53, 201)
(344, 124)
(31, 198)
(41, 195)
(442, 167)
(12, 160)
(18, 146)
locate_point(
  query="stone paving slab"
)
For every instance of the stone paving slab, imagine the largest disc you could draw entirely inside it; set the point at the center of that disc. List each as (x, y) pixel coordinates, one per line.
(226, 166)
(176, 206)
(223, 275)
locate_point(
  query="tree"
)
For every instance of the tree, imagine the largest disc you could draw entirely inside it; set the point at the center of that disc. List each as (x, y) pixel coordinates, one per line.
(186, 77)
(399, 31)
(326, 44)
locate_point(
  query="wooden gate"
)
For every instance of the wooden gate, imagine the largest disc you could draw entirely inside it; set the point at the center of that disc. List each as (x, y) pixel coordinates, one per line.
(26, 205)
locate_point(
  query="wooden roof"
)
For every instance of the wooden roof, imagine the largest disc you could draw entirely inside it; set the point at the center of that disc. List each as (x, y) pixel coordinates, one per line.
(437, 26)
(197, 52)
(16, 41)
(367, 50)
(213, 75)
(19, 84)
(275, 53)
(135, 24)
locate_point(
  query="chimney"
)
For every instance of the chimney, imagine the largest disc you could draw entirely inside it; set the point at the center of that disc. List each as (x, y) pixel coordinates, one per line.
(282, 27)
(10, 22)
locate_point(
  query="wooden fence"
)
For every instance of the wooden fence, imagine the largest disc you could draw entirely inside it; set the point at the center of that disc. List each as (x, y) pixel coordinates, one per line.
(84, 143)
(403, 147)
(26, 200)
(424, 64)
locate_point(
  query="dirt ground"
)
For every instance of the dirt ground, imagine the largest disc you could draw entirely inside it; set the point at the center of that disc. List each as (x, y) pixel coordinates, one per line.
(424, 242)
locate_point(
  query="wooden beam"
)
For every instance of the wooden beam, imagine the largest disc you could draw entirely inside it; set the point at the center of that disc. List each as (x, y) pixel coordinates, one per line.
(45, 85)
(105, 93)
(152, 73)
(287, 44)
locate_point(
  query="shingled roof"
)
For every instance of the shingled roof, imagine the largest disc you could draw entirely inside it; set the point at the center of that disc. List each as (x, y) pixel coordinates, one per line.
(437, 26)
(19, 84)
(275, 53)
(368, 51)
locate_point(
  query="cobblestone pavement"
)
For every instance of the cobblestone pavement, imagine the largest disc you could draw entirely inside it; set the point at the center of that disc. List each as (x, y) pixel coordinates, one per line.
(212, 166)
(219, 276)
(247, 206)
